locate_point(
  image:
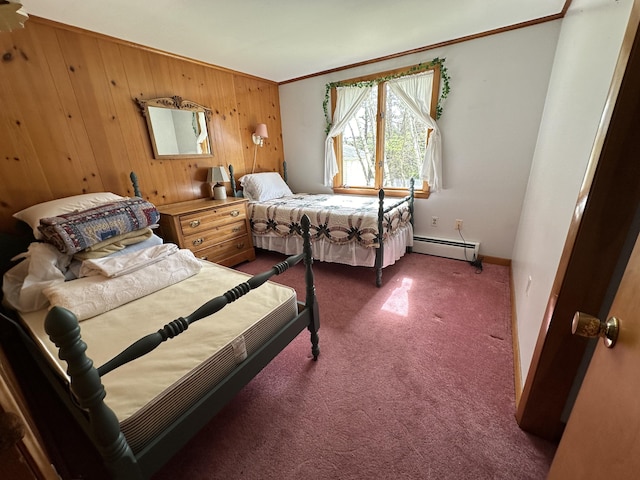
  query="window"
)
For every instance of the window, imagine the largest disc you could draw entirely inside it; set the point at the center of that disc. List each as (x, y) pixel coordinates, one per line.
(385, 132)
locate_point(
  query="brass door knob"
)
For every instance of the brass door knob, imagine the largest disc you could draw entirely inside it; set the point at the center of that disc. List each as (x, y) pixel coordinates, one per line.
(587, 325)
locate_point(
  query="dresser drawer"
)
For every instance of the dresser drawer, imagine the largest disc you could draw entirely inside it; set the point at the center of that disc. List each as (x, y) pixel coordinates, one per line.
(208, 236)
(195, 223)
(216, 230)
(226, 249)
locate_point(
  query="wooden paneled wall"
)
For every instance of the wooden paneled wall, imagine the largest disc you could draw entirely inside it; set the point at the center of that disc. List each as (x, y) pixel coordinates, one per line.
(69, 123)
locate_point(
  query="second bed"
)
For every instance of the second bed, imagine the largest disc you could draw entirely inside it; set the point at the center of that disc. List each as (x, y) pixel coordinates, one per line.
(349, 229)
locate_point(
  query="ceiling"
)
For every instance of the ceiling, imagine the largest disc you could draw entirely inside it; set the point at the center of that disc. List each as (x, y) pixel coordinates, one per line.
(282, 40)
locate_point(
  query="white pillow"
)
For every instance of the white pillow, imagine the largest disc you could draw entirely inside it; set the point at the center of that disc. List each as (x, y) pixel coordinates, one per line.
(32, 215)
(260, 187)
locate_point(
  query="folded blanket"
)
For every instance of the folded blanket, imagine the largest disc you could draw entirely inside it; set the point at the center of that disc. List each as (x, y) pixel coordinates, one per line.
(90, 296)
(128, 263)
(114, 244)
(76, 231)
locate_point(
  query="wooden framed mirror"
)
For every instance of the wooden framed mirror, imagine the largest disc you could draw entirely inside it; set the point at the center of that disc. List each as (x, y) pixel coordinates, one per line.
(177, 128)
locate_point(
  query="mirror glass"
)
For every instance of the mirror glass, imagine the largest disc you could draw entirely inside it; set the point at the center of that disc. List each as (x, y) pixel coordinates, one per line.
(178, 128)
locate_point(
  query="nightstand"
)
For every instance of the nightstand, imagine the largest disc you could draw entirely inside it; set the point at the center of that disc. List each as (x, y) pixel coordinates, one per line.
(214, 230)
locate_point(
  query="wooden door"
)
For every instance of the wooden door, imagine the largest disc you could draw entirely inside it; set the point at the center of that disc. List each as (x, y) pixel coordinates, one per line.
(601, 439)
(25, 457)
(605, 207)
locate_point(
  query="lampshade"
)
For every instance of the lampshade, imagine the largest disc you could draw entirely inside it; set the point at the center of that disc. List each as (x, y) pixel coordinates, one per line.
(261, 131)
(260, 134)
(217, 174)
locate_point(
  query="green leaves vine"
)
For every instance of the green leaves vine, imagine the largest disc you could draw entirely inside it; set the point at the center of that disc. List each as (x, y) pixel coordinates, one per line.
(444, 90)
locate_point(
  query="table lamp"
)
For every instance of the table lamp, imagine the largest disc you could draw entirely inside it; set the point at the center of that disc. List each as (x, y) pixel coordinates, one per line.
(218, 175)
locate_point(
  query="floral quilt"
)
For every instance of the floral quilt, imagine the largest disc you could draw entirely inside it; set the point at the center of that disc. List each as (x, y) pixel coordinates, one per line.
(338, 219)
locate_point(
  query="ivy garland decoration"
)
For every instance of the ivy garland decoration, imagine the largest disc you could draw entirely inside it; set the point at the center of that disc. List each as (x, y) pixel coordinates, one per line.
(444, 91)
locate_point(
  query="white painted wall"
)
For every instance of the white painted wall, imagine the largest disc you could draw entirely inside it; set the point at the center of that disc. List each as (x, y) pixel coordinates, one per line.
(497, 142)
(588, 47)
(489, 130)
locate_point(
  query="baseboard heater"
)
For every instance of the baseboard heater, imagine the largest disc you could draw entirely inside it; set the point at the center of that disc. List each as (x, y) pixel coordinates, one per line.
(442, 247)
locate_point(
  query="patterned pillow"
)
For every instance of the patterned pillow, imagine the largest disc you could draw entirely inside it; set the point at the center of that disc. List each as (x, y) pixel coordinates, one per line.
(75, 231)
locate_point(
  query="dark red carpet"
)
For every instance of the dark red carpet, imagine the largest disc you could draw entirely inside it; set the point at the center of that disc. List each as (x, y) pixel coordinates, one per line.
(414, 381)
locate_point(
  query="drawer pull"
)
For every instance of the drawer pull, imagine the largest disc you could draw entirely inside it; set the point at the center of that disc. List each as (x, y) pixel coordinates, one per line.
(240, 246)
(204, 258)
(197, 241)
(236, 229)
(194, 223)
(234, 213)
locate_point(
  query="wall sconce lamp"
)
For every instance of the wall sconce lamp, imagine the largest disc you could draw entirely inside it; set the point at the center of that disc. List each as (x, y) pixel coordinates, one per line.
(258, 139)
(11, 16)
(218, 174)
(260, 134)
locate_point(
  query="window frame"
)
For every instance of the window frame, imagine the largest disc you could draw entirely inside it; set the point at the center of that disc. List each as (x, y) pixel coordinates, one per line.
(420, 191)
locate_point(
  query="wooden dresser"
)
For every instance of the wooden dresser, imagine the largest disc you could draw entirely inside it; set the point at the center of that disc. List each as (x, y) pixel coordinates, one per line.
(214, 230)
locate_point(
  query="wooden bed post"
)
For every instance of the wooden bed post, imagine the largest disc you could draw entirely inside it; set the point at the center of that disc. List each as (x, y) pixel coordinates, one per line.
(380, 249)
(234, 191)
(311, 302)
(134, 182)
(411, 194)
(62, 327)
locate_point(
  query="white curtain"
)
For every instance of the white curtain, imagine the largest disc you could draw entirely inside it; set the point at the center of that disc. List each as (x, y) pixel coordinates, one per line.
(348, 100)
(415, 92)
(202, 126)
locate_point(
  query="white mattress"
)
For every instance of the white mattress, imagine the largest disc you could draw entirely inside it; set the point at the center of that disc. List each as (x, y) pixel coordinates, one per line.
(148, 393)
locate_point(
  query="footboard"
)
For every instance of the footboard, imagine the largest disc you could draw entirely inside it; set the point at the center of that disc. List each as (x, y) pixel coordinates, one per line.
(381, 213)
(88, 391)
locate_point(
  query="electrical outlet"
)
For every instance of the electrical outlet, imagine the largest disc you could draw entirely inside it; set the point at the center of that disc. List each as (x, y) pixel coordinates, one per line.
(434, 221)
(458, 225)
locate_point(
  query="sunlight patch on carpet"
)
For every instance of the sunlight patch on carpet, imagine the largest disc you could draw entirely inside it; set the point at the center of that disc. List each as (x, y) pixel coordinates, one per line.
(398, 301)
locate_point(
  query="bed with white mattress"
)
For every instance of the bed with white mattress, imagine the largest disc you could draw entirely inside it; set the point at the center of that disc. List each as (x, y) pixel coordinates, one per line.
(142, 375)
(137, 391)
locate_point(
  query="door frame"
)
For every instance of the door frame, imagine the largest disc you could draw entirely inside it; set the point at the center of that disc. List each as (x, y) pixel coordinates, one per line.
(606, 205)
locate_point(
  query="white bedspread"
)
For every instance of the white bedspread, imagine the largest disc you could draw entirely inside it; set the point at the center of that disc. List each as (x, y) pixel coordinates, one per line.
(90, 296)
(43, 266)
(128, 263)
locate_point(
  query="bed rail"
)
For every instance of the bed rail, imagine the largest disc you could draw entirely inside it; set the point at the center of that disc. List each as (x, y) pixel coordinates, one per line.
(180, 325)
(86, 387)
